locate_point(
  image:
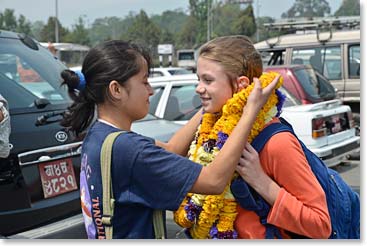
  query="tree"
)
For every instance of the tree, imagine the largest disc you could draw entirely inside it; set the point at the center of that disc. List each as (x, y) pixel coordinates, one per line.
(48, 31)
(23, 26)
(171, 21)
(187, 38)
(223, 17)
(144, 32)
(245, 24)
(79, 34)
(308, 9)
(349, 8)
(199, 15)
(8, 21)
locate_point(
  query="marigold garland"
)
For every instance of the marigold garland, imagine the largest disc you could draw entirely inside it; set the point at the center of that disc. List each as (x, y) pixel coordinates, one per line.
(213, 216)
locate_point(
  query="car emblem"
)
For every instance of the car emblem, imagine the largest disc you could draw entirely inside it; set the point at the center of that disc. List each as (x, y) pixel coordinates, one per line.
(61, 136)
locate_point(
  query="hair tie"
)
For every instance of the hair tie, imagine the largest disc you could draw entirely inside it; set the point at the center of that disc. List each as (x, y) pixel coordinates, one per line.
(82, 82)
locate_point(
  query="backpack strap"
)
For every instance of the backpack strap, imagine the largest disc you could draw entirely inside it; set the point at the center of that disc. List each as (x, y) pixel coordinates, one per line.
(158, 224)
(108, 199)
(262, 138)
(245, 195)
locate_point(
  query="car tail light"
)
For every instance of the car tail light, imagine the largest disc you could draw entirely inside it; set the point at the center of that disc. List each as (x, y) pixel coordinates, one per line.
(351, 120)
(318, 128)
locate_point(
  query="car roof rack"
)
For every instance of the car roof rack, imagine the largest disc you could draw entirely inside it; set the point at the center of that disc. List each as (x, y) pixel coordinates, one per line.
(314, 25)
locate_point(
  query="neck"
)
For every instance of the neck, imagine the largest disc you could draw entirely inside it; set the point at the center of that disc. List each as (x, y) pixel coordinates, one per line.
(113, 116)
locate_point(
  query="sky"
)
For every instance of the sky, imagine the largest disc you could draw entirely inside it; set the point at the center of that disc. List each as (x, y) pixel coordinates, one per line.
(70, 10)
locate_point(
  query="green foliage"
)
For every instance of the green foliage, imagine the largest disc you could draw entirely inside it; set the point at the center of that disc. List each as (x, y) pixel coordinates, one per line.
(48, 31)
(8, 21)
(79, 34)
(187, 38)
(349, 8)
(144, 32)
(308, 9)
(171, 21)
(245, 24)
(23, 26)
(183, 30)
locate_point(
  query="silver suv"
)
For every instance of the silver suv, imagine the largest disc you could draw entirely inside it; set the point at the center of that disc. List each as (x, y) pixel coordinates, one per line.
(334, 53)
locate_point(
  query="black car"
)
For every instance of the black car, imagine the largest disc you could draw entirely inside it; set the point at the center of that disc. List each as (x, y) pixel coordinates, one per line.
(39, 181)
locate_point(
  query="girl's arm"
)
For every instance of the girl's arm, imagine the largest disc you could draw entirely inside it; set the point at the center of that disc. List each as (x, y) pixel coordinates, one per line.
(181, 140)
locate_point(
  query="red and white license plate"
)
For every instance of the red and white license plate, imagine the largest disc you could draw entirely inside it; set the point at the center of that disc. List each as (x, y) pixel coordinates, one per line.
(57, 177)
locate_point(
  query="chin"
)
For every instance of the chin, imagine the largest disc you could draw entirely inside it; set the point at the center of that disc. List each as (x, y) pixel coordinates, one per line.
(211, 110)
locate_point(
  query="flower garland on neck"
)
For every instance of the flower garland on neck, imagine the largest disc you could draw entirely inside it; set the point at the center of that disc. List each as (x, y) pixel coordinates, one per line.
(213, 216)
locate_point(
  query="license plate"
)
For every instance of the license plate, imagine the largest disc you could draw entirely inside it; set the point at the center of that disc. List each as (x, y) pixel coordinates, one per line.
(57, 177)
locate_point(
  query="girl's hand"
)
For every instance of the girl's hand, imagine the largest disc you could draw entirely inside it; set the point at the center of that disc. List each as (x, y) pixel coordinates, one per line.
(250, 169)
(259, 95)
(249, 166)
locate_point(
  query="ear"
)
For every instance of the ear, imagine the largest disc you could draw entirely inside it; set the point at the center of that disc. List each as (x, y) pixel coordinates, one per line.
(242, 83)
(116, 90)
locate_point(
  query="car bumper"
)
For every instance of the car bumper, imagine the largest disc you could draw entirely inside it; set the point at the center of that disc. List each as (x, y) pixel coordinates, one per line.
(335, 154)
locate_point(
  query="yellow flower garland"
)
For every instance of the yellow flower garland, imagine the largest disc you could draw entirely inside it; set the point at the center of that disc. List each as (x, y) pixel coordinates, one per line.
(213, 216)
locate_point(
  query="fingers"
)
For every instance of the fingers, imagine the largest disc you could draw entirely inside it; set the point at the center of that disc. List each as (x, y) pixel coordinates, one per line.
(269, 88)
(250, 149)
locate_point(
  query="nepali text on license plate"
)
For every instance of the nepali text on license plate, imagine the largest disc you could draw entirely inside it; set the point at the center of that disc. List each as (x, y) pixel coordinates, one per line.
(57, 177)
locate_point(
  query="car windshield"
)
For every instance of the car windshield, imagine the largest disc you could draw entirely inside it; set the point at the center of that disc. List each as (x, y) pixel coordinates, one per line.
(29, 72)
(314, 84)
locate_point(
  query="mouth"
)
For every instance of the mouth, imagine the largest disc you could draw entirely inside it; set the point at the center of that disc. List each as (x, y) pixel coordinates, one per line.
(204, 100)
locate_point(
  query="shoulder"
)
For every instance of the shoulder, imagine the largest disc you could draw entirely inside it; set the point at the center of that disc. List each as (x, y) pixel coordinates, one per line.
(135, 141)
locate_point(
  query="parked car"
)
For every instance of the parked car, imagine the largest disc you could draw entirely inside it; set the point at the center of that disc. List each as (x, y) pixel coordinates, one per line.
(305, 83)
(39, 181)
(332, 47)
(327, 127)
(337, 58)
(168, 71)
(174, 97)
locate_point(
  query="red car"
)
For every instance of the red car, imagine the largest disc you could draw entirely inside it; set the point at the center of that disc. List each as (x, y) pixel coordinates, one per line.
(305, 83)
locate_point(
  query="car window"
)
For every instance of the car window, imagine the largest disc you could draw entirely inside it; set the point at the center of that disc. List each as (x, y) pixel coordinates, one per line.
(275, 57)
(326, 60)
(290, 100)
(153, 74)
(183, 103)
(354, 61)
(27, 74)
(154, 99)
(308, 81)
(179, 71)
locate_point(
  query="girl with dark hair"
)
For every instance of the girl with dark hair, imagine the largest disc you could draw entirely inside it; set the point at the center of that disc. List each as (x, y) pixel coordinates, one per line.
(146, 174)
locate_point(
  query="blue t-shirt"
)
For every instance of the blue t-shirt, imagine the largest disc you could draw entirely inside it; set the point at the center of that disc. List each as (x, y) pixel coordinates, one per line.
(144, 177)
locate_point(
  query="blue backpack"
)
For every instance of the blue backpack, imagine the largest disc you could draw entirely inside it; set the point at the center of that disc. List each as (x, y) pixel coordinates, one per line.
(343, 203)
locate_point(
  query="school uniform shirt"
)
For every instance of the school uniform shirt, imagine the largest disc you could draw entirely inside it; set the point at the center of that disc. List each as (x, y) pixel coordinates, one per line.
(300, 206)
(144, 177)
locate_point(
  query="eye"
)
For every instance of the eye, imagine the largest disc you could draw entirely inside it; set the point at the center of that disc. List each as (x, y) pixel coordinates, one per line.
(207, 80)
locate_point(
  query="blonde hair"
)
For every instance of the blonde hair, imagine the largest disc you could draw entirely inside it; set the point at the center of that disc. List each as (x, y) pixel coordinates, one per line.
(236, 54)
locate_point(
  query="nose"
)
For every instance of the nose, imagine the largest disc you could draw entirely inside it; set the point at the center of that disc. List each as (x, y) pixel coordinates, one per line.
(200, 89)
(150, 90)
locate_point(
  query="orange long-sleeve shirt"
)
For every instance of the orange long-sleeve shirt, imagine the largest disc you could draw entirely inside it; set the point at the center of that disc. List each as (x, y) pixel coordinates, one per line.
(300, 206)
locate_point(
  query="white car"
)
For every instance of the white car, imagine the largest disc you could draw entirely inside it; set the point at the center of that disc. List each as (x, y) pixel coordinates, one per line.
(326, 128)
(168, 71)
